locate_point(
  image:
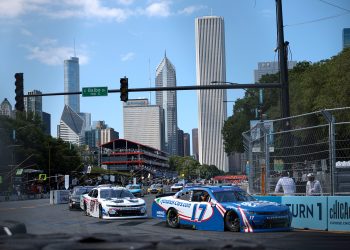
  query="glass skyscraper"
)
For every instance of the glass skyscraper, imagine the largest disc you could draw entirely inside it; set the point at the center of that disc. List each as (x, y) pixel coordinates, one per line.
(166, 77)
(212, 111)
(72, 83)
(346, 38)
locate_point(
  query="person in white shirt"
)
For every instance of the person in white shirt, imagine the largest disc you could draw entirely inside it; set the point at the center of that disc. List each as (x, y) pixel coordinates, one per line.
(313, 187)
(286, 183)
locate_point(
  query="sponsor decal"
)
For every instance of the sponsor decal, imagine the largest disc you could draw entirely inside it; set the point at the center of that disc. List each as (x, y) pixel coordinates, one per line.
(161, 214)
(340, 210)
(175, 203)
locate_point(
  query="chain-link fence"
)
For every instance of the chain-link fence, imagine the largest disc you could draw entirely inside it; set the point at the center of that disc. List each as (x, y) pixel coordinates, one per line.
(317, 143)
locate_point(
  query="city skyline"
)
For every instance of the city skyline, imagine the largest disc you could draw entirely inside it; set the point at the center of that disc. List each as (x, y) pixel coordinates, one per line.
(128, 38)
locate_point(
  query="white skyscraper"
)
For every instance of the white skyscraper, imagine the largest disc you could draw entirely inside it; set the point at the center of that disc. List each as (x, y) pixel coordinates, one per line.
(212, 111)
(142, 122)
(166, 77)
(72, 83)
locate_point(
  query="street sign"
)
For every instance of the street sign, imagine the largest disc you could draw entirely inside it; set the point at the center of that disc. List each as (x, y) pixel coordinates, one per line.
(42, 177)
(95, 91)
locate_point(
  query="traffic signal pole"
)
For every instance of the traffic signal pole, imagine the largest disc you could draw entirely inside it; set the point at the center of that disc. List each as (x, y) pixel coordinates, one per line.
(283, 60)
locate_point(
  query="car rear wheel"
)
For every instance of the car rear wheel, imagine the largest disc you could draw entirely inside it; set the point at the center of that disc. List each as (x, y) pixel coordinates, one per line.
(232, 222)
(172, 218)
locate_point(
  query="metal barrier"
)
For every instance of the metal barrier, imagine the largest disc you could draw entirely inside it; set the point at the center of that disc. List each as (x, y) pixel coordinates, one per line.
(308, 143)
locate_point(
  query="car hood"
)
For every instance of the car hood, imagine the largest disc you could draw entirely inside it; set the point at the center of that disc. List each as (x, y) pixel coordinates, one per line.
(258, 206)
(122, 201)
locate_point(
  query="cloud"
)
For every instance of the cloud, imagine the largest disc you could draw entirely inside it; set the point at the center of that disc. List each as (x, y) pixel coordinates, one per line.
(48, 52)
(191, 9)
(11, 9)
(128, 57)
(161, 9)
(26, 32)
(267, 13)
(125, 2)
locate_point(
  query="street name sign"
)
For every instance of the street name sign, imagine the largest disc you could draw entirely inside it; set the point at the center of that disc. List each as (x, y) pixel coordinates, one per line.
(95, 91)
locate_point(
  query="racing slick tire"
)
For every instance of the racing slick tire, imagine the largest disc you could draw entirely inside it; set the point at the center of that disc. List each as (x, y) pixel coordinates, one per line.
(100, 212)
(172, 218)
(232, 222)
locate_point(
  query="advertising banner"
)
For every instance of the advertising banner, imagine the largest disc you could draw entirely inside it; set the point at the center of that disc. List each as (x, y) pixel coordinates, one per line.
(308, 212)
(338, 213)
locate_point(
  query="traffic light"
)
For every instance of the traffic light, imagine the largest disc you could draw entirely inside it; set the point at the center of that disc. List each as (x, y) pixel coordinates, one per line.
(19, 92)
(124, 89)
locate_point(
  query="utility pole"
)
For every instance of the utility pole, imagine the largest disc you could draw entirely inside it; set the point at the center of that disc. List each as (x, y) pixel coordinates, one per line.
(283, 60)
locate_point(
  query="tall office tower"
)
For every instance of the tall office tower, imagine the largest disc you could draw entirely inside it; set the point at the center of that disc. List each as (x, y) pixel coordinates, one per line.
(142, 122)
(6, 108)
(195, 143)
(346, 38)
(34, 104)
(187, 148)
(46, 117)
(212, 110)
(180, 142)
(269, 68)
(72, 83)
(71, 127)
(108, 135)
(166, 77)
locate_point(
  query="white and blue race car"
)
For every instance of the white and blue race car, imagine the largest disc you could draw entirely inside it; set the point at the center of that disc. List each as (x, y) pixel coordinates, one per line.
(110, 202)
(221, 208)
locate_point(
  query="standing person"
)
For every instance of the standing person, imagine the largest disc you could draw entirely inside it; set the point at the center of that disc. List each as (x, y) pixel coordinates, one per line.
(313, 187)
(286, 183)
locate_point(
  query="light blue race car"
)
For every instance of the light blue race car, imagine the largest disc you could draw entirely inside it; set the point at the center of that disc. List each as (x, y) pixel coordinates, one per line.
(220, 208)
(135, 189)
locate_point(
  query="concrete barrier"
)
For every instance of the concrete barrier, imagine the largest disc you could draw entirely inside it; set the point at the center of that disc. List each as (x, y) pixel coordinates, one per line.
(330, 213)
(59, 196)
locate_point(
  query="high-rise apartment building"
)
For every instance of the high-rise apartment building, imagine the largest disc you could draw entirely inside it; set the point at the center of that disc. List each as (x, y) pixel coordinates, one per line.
(269, 68)
(346, 38)
(72, 83)
(187, 143)
(34, 104)
(180, 142)
(212, 111)
(142, 122)
(108, 135)
(166, 77)
(195, 143)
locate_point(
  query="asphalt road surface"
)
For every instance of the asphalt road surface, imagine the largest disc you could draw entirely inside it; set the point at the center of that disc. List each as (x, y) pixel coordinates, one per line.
(57, 225)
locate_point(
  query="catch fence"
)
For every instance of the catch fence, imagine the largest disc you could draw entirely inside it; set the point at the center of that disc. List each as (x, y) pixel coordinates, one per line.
(317, 142)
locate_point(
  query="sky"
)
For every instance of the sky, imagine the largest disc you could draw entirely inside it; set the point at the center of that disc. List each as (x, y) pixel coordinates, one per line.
(117, 38)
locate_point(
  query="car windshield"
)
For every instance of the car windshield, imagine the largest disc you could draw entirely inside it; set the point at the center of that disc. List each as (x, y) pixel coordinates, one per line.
(80, 191)
(115, 193)
(232, 196)
(134, 187)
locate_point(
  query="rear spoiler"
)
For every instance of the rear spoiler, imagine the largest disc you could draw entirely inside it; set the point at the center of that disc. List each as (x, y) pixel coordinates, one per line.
(166, 194)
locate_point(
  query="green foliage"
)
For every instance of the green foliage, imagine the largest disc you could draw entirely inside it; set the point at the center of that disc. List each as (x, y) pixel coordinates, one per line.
(189, 168)
(32, 148)
(312, 87)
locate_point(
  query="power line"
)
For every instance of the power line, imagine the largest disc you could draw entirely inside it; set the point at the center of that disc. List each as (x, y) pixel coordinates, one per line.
(323, 18)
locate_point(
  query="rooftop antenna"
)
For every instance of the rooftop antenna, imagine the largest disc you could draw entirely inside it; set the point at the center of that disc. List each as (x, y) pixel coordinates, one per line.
(75, 55)
(150, 83)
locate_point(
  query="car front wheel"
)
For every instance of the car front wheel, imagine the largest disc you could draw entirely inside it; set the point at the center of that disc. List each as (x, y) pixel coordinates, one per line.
(232, 222)
(172, 218)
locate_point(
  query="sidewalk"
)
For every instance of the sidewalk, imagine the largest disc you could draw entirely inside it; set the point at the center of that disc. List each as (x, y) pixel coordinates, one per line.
(15, 197)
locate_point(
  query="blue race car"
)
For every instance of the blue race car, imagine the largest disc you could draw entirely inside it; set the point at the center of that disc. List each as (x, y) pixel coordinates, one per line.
(135, 189)
(220, 208)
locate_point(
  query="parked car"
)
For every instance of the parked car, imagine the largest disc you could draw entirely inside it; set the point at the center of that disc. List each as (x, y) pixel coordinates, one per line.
(135, 189)
(221, 208)
(156, 189)
(113, 203)
(75, 195)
